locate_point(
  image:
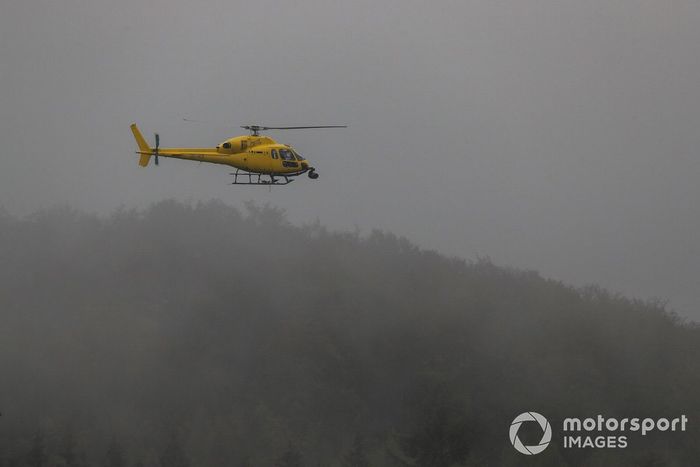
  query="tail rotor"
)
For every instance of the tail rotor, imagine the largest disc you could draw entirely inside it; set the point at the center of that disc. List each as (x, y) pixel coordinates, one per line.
(155, 150)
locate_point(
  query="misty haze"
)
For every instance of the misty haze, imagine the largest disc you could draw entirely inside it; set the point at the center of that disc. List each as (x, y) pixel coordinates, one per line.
(225, 338)
(508, 224)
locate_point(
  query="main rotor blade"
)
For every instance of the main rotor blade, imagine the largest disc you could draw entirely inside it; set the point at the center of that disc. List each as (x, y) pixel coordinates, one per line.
(301, 127)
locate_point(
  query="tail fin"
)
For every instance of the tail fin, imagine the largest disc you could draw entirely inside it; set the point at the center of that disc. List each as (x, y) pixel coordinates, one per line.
(144, 149)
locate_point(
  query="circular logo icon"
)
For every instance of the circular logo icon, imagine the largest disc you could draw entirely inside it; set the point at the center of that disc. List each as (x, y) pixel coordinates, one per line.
(546, 433)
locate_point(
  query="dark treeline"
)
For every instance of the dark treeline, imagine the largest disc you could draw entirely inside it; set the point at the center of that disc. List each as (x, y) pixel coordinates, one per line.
(202, 336)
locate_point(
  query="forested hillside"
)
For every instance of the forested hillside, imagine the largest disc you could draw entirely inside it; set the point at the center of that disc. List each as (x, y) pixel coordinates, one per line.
(203, 336)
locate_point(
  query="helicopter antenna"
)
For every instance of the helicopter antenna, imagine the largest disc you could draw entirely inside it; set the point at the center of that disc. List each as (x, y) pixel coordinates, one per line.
(256, 129)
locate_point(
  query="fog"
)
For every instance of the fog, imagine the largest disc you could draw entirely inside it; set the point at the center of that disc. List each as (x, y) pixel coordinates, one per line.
(200, 335)
(559, 136)
(509, 223)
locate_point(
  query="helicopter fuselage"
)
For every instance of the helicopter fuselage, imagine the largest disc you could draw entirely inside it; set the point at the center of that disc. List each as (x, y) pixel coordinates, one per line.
(257, 154)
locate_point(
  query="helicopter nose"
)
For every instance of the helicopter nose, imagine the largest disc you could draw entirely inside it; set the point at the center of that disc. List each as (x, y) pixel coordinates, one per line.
(304, 165)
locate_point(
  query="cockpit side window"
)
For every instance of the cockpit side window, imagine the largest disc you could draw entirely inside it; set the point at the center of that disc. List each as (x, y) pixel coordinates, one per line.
(274, 153)
(286, 155)
(227, 145)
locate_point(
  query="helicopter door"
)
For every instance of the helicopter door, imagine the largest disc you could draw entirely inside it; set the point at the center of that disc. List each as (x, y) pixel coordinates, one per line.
(288, 158)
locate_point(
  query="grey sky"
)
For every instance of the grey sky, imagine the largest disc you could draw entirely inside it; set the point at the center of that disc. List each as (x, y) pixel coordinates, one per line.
(559, 135)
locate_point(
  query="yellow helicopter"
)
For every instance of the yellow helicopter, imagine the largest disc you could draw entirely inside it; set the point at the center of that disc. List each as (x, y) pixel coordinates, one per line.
(258, 160)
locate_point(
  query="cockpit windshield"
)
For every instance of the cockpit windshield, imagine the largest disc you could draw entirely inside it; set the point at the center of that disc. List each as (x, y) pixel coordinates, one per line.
(299, 156)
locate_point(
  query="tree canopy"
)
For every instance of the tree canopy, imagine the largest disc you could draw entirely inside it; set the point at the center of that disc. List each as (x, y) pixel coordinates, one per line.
(258, 342)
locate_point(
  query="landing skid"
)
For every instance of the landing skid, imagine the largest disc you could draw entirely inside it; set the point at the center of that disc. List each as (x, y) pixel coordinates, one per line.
(248, 178)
